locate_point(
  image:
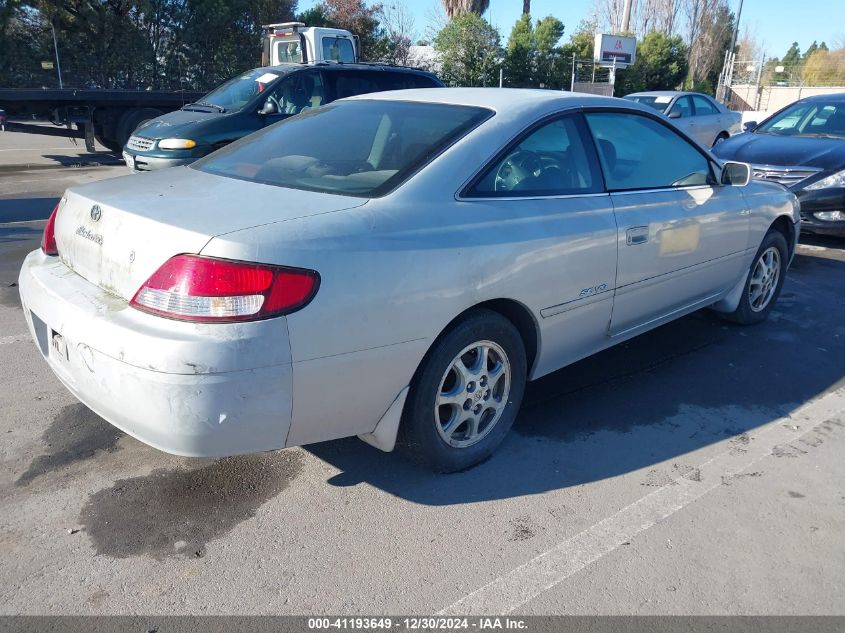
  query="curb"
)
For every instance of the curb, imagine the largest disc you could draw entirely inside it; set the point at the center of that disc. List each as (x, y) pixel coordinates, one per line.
(37, 166)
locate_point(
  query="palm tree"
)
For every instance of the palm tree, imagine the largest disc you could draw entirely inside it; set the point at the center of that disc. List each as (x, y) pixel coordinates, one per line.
(459, 7)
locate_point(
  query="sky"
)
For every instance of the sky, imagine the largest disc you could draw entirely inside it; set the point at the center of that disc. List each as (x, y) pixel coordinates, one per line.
(775, 23)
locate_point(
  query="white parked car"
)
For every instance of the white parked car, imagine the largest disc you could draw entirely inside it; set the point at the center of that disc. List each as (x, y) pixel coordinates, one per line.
(703, 118)
(393, 266)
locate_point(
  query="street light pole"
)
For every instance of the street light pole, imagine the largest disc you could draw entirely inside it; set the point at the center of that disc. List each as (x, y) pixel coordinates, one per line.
(56, 48)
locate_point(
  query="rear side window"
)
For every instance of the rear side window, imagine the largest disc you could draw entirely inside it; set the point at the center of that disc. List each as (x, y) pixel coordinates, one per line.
(380, 144)
(554, 159)
(349, 84)
(703, 106)
(637, 152)
(405, 81)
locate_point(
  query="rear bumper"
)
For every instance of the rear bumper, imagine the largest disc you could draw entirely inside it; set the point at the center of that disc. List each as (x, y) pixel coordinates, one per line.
(179, 387)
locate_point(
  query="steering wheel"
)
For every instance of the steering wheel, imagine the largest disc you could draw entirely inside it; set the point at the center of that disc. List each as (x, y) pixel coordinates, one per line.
(516, 168)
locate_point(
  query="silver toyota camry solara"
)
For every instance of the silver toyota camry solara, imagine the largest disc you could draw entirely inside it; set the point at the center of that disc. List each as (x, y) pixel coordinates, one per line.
(394, 266)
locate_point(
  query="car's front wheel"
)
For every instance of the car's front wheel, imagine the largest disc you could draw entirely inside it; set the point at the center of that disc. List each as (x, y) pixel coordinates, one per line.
(466, 394)
(723, 136)
(764, 282)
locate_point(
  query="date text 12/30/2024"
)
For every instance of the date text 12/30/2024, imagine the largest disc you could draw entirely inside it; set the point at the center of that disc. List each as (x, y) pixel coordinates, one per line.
(417, 624)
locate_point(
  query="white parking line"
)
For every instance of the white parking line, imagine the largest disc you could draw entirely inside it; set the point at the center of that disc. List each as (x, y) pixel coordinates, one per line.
(17, 338)
(517, 587)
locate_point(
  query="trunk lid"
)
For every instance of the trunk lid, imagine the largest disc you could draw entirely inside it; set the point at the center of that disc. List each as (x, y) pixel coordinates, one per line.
(116, 233)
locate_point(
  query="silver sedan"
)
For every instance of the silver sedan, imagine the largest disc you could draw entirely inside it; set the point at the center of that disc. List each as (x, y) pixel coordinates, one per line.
(394, 266)
(700, 116)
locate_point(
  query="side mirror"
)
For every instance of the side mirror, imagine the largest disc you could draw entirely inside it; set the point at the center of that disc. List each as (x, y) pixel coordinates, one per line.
(675, 114)
(749, 125)
(269, 107)
(736, 174)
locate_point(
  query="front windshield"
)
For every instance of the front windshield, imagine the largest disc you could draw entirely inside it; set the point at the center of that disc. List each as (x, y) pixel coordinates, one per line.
(659, 103)
(360, 148)
(811, 118)
(237, 92)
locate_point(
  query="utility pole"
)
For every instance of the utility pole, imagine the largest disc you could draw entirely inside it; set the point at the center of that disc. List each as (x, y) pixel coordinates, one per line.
(626, 16)
(56, 48)
(736, 28)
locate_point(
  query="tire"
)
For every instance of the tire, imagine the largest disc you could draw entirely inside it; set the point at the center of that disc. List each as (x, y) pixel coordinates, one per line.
(723, 136)
(773, 250)
(108, 144)
(130, 120)
(449, 437)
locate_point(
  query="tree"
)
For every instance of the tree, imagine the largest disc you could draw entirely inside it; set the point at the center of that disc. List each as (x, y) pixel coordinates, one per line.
(656, 15)
(316, 16)
(748, 47)
(824, 68)
(792, 58)
(549, 59)
(25, 43)
(581, 42)
(138, 44)
(709, 27)
(661, 65)
(520, 54)
(469, 47)
(362, 20)
(398, 27)
(455, 8)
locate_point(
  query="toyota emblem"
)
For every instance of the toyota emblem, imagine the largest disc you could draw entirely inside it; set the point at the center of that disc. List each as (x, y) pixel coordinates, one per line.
(96, 213)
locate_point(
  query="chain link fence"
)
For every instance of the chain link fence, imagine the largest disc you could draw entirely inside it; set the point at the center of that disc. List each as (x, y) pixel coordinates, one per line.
(591, 78)
(768, 85)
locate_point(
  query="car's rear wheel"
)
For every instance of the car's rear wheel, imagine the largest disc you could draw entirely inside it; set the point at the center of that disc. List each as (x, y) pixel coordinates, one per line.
(764, 282)
(466, 394)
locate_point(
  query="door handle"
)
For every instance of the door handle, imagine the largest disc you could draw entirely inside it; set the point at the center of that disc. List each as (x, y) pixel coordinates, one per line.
(636, 235)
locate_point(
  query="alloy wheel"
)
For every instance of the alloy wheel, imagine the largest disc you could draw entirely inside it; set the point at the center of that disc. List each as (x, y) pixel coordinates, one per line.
(473, 394)
(764, 279)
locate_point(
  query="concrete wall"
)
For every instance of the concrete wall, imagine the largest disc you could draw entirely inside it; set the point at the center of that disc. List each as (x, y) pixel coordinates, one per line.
(772, 98)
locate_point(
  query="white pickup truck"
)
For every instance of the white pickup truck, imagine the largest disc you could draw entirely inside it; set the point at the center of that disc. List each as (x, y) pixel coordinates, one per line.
(294, 42)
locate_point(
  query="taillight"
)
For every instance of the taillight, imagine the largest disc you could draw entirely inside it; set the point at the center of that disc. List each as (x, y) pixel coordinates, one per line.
(195, 288)
(48, 240)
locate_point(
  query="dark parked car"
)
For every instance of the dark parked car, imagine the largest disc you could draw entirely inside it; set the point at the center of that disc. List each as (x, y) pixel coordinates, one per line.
(803, 148)
(254, 100)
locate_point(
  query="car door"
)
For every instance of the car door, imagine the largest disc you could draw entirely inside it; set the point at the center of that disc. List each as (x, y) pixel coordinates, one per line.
(296, 93)
(544, 194)
(708, 120)
(681, 114)
(681, 236)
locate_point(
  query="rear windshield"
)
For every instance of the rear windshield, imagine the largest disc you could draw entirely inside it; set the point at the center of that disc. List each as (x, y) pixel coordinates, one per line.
(659, 103)
(359, 148)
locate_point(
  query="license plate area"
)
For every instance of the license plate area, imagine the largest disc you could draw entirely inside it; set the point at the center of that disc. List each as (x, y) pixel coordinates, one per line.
(41, 334)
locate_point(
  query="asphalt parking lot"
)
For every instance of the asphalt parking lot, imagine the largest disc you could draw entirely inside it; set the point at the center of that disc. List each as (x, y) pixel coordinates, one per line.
(696, 469)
